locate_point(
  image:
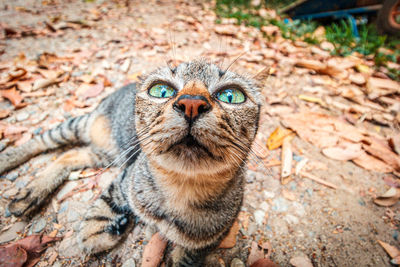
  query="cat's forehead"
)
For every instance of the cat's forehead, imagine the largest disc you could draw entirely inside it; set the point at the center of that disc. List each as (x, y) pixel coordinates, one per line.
(202, 71)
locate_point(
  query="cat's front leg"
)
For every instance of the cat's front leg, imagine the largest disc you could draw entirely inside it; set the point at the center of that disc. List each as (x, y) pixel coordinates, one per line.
(108, 220)
(30, 198)
(183, 257)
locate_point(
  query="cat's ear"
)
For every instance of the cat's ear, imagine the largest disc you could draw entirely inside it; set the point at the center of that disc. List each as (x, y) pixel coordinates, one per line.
(262, 76)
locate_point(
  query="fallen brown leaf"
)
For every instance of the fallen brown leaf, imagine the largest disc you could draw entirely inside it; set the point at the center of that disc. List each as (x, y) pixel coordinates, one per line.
(371, 163)
(256, 253)
(389, 198)
(264, 263)
(230, 240)
(12, 256)
(301, 261)
(391, 250)
(154, 251)
(343, 151)
(13, 96)
(275, 140)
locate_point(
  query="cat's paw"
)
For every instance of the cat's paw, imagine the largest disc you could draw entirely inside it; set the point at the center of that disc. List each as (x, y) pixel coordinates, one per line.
(180, 257)
(26, 201)
(98, 233)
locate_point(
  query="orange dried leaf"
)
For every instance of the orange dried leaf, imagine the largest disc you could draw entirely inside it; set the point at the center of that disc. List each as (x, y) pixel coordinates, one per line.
(230, 240)
(391, 250)
(12, 95)
(154, 251)
(275, 140)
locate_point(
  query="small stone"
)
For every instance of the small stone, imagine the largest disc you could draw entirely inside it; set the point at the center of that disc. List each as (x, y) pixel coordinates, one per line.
(12, 233)
(129, 263)
(21, 184)
(63, 207)
(66, 189)
(87, 196)
(280, 205)
(39, 225)
(264, 206)
(268, 194)
(7, 213)
(237, 263)
(259, 216)
(22, 116)
(12, 176)
(2, 146)
(291, 219)
(74, 175)
(251, 229)
(72, 215)
(37, 131)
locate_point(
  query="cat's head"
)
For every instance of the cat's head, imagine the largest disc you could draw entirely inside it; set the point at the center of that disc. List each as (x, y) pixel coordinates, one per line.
(197, 117)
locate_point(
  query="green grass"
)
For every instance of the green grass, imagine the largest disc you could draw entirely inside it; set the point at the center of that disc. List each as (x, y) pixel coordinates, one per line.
(340, 34)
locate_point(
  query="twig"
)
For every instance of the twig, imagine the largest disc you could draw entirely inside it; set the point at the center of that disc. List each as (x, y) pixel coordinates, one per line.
(318, 180)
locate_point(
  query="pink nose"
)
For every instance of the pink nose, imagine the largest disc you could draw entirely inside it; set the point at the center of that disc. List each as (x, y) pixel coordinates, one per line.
(192, 106)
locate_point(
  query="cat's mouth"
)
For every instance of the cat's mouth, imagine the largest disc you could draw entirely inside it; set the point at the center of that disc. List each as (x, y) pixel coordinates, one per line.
(190, 143)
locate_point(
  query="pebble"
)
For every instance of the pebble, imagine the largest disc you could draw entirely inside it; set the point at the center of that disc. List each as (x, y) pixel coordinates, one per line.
(12, 176)
(74, 175)
(280, 204)
(268, 194)
(298, 209)
(2, 146)
(63, 207)
(251, 229)
(259, 216)
(291, 219)
(11, 233)
(264, 206)
(87, 196)
(7, 213)
(21, 184)
(22, 116)
(72, 215)
(237, 263)
(39, 225)
(129, 263)
(66, 189)
(37, 131)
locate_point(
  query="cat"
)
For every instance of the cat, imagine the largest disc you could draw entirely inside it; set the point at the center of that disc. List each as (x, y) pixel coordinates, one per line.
(184, 133)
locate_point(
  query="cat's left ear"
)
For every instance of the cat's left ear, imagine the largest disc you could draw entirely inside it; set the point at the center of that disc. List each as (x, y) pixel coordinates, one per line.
(262, 76)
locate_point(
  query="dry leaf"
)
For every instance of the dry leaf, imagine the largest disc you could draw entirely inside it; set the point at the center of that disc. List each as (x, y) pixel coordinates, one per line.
(381, 150)
(12, 95)
(371, 163)
(32, 246)
(275, 140)
(264, 263)
(43, 83)
(389, 198)
(12, 256)
(343, 151)
(391, 250)
(301, 261)
(154, 251)
(286, 158)
(230, 240)
(4, 113)
(288, 194)
(256, 253)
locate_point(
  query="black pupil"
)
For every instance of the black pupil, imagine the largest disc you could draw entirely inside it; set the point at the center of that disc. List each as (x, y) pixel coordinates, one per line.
(163, 92)
(230, 96)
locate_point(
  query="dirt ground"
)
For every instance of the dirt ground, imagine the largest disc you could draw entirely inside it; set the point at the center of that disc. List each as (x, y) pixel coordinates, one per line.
(298, 217)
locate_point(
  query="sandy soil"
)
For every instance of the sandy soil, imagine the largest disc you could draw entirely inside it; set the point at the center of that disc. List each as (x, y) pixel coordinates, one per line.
(330, 227)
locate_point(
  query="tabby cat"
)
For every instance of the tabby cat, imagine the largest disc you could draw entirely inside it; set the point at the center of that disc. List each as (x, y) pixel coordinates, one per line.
(184, 134)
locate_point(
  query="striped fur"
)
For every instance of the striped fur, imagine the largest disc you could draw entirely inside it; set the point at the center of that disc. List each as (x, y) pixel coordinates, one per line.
(184, 179)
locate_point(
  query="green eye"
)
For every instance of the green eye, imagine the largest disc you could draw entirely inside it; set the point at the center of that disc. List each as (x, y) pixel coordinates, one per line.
(162, 91)
(231, 96)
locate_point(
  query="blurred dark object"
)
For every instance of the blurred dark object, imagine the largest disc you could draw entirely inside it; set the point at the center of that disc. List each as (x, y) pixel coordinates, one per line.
(388, 20)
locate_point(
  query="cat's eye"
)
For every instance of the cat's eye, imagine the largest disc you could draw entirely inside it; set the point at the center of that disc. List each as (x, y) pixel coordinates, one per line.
(231, 96)
(162, 91)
